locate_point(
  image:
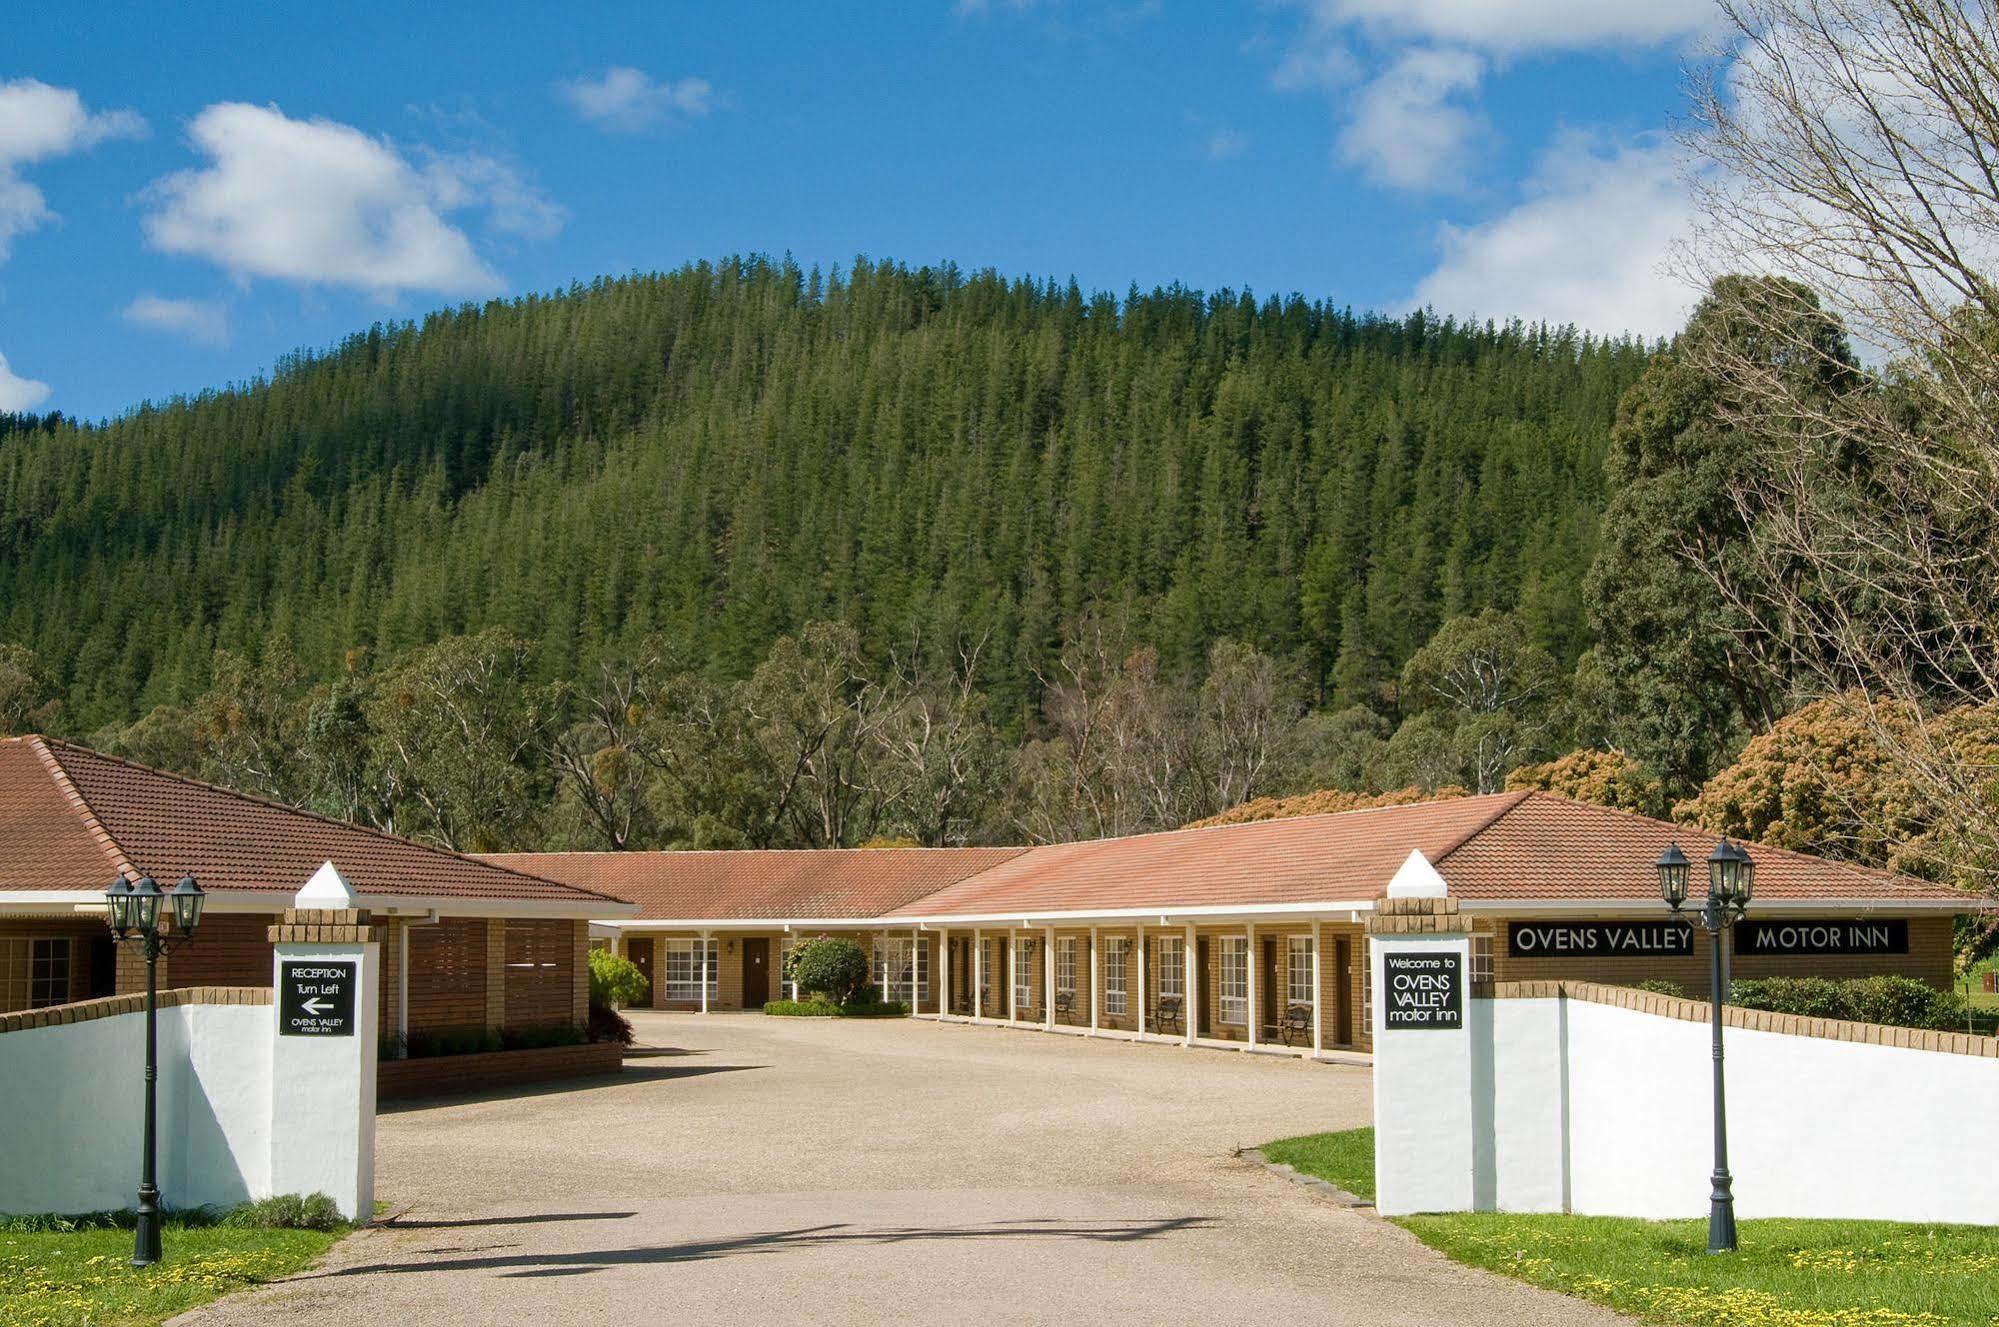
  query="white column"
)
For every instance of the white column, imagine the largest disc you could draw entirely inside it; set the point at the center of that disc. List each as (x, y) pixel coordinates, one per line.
(1252, 961)
(1048, 977)
(1190, 1002)
(1012, 958)
(943, 974)
(1318, 988)
(1141, 981)
(704, 972)
(1094, 1001)
(1425, 1105)
(322, 1077)
(978, 973)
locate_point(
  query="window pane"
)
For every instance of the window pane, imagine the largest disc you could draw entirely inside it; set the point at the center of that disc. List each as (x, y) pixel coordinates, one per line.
(1298, 971)
(1234, 980)
(1173, 967)
(1114, 986)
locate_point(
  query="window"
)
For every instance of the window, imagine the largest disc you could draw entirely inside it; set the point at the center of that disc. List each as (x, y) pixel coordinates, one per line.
(1065, 964)
(1172, 966)
(1023, 974)
(1234, 1003)
(1298, 972)
(891, 969)
(784, 966)
(34, 972)
(683, 971)
(1481, 960)
(1114, 988)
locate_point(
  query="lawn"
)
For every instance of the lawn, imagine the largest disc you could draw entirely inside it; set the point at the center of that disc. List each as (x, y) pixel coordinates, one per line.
(1787, 1274)
(78, 1277)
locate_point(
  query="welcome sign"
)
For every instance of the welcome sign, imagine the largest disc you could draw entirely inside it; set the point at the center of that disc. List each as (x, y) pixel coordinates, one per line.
(1599, 939)
(1424, 991)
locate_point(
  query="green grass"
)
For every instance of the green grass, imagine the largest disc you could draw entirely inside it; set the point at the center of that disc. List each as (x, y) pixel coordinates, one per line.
(1787, 1274)
(1980, 997)
(1345, 1159)
(80, 1278)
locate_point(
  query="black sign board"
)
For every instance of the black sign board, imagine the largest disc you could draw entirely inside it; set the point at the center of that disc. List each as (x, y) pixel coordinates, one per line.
(316, 999)
(1424, 990)
(1823, 935)
(1666, 939)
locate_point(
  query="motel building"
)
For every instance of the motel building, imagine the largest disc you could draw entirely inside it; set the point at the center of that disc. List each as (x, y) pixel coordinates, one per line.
(1249, 936)
(468, 946)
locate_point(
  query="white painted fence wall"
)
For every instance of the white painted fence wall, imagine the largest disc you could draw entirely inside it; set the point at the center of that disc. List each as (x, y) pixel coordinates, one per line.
(72, 1106)
(1588, 1107)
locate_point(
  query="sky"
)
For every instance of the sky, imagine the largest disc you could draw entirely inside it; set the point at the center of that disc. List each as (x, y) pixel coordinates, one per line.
(188, 193)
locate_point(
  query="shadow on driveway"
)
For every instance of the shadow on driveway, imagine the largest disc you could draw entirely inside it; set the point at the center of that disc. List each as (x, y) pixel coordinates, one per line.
(584, 1261)
(631, 1075)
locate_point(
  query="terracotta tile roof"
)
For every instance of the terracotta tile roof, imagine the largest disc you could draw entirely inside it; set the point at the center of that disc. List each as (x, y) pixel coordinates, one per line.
(1547, 847)
(70, 817)
(1345, 857)
(827, 883)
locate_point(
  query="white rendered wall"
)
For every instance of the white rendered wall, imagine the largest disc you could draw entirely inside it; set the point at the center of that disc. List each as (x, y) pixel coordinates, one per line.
(1424, 1119)
(72, 1097)
(1587, 1107)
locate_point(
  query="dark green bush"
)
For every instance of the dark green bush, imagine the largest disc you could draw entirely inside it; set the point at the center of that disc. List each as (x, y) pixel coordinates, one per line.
(827, 1009)
(288, 1211)
(1661, 986)
(607, 1024)
(1894, 1001)
(538, 1036)
(828, 966)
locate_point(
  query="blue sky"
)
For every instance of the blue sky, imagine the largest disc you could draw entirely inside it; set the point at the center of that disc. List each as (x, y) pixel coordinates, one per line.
(188, 192)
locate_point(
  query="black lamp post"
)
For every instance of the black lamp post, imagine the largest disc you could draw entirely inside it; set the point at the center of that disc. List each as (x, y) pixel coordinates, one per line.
(1730, 880)
(134, 910)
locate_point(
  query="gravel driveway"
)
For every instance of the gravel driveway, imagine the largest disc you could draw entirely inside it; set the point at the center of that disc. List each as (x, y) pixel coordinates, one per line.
(769, 1170)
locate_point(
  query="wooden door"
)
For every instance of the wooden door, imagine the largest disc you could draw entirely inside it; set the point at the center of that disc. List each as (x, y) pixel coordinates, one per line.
(1204, 989)
(1342, 991)
(1267, 980)
(756, 972)
(640, 952)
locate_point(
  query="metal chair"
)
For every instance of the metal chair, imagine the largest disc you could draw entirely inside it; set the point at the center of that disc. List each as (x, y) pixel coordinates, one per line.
(1168, 1017)
(1297, 1024)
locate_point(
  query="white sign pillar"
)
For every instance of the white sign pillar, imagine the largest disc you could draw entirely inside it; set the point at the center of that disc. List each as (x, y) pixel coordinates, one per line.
(326, 967)
(1419, 965)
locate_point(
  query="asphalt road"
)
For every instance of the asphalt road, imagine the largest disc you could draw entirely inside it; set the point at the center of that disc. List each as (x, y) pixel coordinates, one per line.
(768, 1170)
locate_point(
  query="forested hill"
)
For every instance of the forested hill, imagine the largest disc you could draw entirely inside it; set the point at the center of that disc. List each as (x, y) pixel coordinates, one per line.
(722, 454)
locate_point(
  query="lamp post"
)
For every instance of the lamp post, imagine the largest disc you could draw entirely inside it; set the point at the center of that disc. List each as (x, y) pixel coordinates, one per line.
(1730, 880)
(134, 915)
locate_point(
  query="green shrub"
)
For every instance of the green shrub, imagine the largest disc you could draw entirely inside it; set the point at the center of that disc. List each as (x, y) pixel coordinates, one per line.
(1894, 1001)
(288, 1211)
(424, 1043)
(607, 1024)
(1660, 986)
(615, 981)
(827, 1009)
(828, 966)
(538, 1036)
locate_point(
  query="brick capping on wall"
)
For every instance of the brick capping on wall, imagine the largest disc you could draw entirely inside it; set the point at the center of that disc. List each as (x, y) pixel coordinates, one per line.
(325, 926)
(1753, 1020)
(111, 1005)
(1417, 916)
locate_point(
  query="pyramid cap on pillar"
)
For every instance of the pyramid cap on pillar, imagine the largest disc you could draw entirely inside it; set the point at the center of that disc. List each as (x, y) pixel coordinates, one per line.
(327, 889)
(1416, 878)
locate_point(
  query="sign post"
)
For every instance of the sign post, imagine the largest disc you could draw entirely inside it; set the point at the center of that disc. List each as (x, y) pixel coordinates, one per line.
(1419, 965)
(327, 969)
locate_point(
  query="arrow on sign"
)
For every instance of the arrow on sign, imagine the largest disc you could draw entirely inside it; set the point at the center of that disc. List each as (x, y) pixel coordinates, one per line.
(315, 1005)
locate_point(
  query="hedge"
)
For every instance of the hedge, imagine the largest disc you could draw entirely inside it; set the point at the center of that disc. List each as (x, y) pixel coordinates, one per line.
(1894, 1001)
(827, 1009)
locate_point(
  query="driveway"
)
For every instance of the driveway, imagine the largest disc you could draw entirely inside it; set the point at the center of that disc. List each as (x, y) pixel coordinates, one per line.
(747, 1169)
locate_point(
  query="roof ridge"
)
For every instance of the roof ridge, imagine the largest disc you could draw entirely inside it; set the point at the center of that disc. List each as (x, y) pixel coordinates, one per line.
(1275, 820)
(271, 803)
(634, 854)
(118, 860)
(1509, 803)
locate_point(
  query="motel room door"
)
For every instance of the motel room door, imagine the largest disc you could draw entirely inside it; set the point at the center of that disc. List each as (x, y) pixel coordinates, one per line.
(1204, 987)
(1342, 991)
(1266, 983)
(756, 972)
(639, 951)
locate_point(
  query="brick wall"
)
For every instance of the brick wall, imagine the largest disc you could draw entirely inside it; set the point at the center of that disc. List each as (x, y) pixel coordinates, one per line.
(444, 1075)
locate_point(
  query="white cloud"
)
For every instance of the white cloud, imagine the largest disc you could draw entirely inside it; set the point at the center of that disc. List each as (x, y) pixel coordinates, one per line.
(514, 205)
(203, 321)
(1588, 246)
(37, 122)
(628, 100)
(316, 201)
(1508, 27)
(1405, 131)
(18, 394)
(1223, 144)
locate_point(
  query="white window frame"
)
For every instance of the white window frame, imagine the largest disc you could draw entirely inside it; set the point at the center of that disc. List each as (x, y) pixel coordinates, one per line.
(1023, 974)
(1481, 960)
(1115, 991)
(1065, 964)
(1232, 982)
(685, 957)
(1298, 971)
(1172, 966)
(20, 955)
(891, 969)
(784, 948)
